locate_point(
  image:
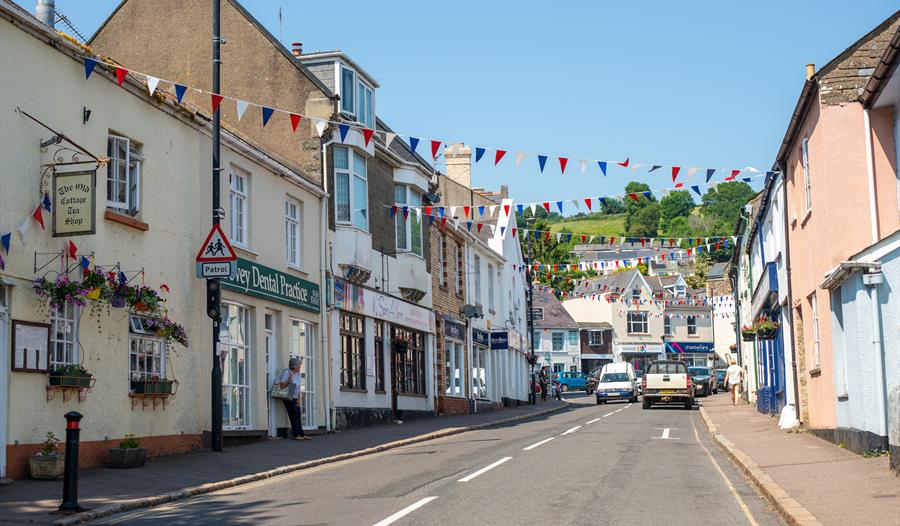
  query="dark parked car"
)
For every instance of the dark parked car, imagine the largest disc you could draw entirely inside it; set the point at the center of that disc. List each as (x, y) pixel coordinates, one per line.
(720, 378)
(704, 379)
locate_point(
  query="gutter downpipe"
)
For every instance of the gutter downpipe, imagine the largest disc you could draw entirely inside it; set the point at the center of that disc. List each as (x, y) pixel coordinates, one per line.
(870, 172)
(323, 277)
(790, 297)
(878, 343)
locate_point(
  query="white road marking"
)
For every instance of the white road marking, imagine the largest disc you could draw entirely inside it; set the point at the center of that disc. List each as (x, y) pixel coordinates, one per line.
(617, 410)
(404, 512)
(570, 431)
(483, 470)
(627, 406)
(542, 442)
(665, 433)
(728, 483)
(592, 421)
(608, 414)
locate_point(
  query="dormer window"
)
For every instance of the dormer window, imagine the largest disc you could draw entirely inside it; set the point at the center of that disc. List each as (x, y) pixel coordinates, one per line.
(357, 97)
(348, 82)
(366, 114)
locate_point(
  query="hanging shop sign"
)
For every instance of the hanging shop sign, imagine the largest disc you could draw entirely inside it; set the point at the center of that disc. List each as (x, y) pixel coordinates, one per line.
(689, 347)
(454, 330)
(480, 337)
(367, 302)
(74, 203)
(260, 281)
(499, 340)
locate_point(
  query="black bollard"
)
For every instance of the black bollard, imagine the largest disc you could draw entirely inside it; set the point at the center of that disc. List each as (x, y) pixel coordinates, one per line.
(70, 479)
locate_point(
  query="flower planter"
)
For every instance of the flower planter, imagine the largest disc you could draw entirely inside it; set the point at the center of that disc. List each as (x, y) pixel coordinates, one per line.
(46, 467)
(767, 334)
(70, 379)
(117, 302)
(127, 458)
(152, 386)
(748, 336)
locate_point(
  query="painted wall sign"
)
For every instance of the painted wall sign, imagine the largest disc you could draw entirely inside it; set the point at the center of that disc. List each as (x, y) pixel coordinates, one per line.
(367, 302)
(480, 337)
(31, 346)
(454, 330)
(258, 280)
(74, 203)
(683, 347)
(499, 340)
(639, 348)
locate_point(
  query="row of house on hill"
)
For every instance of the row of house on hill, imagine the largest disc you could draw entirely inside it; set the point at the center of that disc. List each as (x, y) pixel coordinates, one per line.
(395, 318)
(626, 317)
(820, 254)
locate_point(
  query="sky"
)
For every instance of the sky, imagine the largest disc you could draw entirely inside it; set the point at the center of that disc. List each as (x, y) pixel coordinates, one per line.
(689, 83)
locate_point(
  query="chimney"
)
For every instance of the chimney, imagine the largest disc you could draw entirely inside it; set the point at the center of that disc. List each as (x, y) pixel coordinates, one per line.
(504, 191)
(45, 11)
(810, 71)
(297, 49)
(458, 159)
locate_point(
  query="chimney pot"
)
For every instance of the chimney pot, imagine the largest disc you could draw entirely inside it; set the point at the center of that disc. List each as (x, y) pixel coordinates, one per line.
(810, 71)
(297, 49)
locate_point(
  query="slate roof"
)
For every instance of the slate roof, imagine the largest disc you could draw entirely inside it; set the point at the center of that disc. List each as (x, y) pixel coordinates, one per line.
(616, 280)
(717, 271)
(555, 315)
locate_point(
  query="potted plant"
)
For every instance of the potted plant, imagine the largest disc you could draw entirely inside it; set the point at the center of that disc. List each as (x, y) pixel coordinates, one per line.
(168, 329)
(151, 384)
(129, 454)
(70, 376)
(59, 292)
(766, 328)
(48, 463)
(748, 333)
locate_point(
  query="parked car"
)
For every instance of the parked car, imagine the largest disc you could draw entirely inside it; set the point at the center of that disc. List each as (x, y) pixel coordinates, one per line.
(704, 379)
(573, 380)
(667, 382)
(638, 376)
(616, 383)
(720, 379)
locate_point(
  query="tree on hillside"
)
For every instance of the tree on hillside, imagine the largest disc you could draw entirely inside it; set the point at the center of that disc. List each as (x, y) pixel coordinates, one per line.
(613, 206)
(678, 204)
(643, 222)
(540, 213)
(679, 227)
(724, 204)
(632, 205)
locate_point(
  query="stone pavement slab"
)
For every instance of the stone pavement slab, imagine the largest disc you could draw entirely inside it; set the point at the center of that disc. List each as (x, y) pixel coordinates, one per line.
(834, 485)
(36, 501)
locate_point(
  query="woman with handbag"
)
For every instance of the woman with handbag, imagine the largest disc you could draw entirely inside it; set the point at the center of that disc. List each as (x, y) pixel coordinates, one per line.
(290, 379)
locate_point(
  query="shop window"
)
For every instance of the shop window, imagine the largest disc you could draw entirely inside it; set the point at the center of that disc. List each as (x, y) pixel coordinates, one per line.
(146, 351)
(235, 355)
(454, 367)
(411, 362)
(353, 351)
(301, 346)
(379, 356)
(64, 336)
(123, 175)
(479, 372)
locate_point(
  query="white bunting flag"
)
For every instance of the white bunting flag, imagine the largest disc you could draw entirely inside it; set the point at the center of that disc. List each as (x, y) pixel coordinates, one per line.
(558, 237)
(582, 166)
(453, 211)
(152, 82)
(455, 223)
(635, 166)
(533, 207)
(519, 158)
(241, 108)
(389, 138)
(525, 233)
(418, 215)
(321, 126)
(491, 210)
(692, 170)
(23, 230)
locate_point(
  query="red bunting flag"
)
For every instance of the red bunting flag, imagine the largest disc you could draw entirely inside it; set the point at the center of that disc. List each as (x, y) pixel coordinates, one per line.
(435, 145)
(734, 174)
(679, 185)
(478, 228)
(498, 155)
(612, 240)
(444, 221)
(427, 210)
(583, 239)
(514, 230)
(675, 170)
(216, 100)
(367, 135)
(295, 121)
(38, 216)
(506, 209)
(466, 211)
(73, 250)
(120, 75)
(587, 203)
(547, 236)
(635, 197)
(563, 161)
(547, 207)
(624, 163)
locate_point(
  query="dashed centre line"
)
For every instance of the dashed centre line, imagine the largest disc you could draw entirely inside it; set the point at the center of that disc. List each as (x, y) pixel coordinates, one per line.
(592, 421)
(608, 414)
(484, 470)
(404, 512)
(570, 431)
(536, 444)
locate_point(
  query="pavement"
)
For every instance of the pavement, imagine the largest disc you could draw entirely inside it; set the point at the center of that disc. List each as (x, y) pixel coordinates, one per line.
(810, 480)
(609, 464)
(173, 477)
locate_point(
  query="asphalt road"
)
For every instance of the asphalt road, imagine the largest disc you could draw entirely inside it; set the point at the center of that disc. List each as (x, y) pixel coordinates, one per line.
(609, 464)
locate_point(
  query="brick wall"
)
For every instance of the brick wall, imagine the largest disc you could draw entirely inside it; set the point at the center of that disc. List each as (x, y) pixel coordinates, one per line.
(446, 301)
(606, 348)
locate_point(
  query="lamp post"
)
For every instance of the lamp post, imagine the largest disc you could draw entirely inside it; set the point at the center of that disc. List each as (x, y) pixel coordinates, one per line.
(530, 317)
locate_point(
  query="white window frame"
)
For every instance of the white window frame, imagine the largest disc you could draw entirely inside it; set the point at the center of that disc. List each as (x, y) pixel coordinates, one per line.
(455, 362)
(68, 318)
(635, 294)
(490, 275)
(132, 178)
(353, 177)
(562, 336)
(365, 108)
(476, 262)
(814, 305)
(243, 316)
(302, 343)
(667, 326)
(403, 225)
(293, 241)
(595, 338)
(458, 267)
(343, 91)
(151, 349)
(691, 324)
(239, 206)
(637, 323)
(442, 261)
(807, 185)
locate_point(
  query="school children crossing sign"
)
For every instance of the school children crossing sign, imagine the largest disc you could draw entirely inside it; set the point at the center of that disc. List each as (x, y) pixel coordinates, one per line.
(216, 258)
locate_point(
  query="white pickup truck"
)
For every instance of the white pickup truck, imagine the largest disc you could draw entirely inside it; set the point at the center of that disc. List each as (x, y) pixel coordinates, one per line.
(667, 381)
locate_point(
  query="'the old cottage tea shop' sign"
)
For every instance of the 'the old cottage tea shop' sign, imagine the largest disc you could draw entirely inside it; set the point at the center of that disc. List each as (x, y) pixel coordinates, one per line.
(264, 282)
(74, 200)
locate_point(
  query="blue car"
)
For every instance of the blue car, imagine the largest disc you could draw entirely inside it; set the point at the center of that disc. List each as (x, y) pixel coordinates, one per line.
(574, 380)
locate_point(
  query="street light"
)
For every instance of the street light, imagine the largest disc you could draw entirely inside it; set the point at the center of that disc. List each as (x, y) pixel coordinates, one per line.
(530, 317)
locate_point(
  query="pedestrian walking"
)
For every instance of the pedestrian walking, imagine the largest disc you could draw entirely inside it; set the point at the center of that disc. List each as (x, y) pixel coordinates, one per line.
(544, 382)
(734, 376)
(290, 378)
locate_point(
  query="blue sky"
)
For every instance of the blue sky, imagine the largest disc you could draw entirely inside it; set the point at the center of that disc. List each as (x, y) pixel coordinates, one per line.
(691, 83)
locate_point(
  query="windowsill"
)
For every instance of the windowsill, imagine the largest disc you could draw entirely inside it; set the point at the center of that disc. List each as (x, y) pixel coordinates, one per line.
(413, 395)
(350, 226)
(638, 334)
(125, 219)
(409, 253)
(456, 396)
(806, 217)
(353, 390)
(843, 397)
(245, 250)
(443, 288)
(297, 269)
(380, 391)
(816, 371)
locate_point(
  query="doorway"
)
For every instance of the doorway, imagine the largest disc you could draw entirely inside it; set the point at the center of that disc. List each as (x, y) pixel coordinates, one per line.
(271, 371)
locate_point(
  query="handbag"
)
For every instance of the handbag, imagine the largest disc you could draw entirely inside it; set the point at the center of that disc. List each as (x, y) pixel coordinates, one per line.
(280, 392)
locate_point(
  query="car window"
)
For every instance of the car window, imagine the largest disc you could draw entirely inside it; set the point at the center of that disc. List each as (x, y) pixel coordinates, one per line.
(614, 377)
(667, 368)
(699, 371)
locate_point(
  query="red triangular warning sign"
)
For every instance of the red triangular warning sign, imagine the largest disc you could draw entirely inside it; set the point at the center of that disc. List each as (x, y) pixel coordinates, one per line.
(216, 248)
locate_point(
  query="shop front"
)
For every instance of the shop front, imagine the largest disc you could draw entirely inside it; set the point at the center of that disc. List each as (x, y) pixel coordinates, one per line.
(481, 364)
(384, 347)
(694, 354)
(268, 317)
(638, 354)
(453, 400)
(593, 362)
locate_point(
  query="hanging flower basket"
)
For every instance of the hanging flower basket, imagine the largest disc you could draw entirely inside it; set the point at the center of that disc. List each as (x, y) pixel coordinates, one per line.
(748, 334)
(766, 329)
(60, 292)
(169, 330)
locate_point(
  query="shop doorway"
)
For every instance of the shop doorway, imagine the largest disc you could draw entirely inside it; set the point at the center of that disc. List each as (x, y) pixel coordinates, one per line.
(271, 371)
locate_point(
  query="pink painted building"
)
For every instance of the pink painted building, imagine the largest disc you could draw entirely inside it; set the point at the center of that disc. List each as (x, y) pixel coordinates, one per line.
(839, 157)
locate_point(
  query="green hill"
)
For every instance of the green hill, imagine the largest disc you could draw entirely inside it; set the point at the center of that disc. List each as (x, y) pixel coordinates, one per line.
(595, 225)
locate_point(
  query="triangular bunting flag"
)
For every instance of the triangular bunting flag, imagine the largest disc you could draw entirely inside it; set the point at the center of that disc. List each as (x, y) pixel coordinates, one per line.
(180, 91)
(709, 173)
(152, 82)
(4, 240)
(602, 166)
(413, 143)
(22, 229)
(587, 202)
(435, 146)
(45, 202)
(481, 211)
(321, 126)
(696, 188)
(542, 160)
(493, 208)
(635, 197)
(367, 135)
(242, 106)
(559, 205)
(389, 138)
(120, 75)
(563, 161)
(648, 194)
(505, 210)
(479, 153)
(582, 166)
(519, 158)
(295, 121)
(675, 170)
(342, 130)
(654, 167)
(623, 164)
(498, 155)
(72, 249)
(38, 216)
(89, 65)
(216, 100)
(266, 115)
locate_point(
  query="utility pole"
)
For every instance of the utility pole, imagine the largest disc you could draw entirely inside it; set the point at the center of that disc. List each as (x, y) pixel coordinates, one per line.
(530, 318)
(213, 292)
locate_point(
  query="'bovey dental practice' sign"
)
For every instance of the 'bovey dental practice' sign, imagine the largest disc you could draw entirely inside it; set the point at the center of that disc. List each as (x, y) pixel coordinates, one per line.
(264, 282)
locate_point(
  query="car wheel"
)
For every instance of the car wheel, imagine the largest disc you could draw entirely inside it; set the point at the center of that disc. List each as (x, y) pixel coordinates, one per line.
(599, 402)
(689, 404)
(634, 400)
(564, 388)
(646, 404)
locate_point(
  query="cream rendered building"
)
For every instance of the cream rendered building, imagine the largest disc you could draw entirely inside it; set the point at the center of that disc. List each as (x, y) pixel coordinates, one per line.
(151, 231)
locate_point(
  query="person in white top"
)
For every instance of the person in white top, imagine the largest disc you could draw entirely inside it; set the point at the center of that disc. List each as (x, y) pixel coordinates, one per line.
(290, 378)
(734, 376)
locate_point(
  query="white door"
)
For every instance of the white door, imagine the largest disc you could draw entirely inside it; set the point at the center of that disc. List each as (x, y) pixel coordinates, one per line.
(271, 372)
(4, 385)
(235, 354)
(302, 345)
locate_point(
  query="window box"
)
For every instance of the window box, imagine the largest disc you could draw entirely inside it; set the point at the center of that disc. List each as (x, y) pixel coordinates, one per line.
(153, 386)
(70, 376)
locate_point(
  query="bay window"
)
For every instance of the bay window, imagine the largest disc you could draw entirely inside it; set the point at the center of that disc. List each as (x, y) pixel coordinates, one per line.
(366, 113)
(408, 227)
(348, 82)
(351, 188)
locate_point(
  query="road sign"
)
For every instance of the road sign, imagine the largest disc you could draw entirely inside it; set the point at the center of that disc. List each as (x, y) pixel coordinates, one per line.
(216, 269)
(216, 248)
